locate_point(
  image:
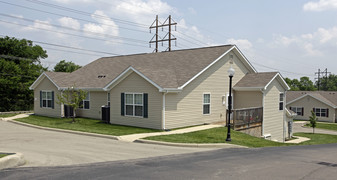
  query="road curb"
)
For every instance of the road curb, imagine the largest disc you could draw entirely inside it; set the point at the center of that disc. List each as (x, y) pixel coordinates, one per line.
(11, 161)
(210, 145)
(66, 131)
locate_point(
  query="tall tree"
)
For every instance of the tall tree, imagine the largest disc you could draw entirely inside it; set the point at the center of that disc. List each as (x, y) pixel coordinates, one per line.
(329, 83)
(64, 66)
(20, 65)
(304, 84)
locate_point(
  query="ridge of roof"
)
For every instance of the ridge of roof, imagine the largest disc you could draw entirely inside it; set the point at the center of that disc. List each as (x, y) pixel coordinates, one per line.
(329, 97)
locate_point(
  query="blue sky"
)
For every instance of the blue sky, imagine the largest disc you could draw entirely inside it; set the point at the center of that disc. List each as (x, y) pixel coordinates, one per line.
(294, 37)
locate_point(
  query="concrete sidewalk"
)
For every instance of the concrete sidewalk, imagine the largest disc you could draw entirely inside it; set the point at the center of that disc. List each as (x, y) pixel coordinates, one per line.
(134, 137)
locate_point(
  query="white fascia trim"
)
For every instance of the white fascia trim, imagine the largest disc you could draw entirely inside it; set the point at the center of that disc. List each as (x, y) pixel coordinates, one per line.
(282, 82)
(194, 77)
(84, 88)
(248, 88)
(244, 57)
(331, 105)
(171, 90)
(136, 71)
(38, 80)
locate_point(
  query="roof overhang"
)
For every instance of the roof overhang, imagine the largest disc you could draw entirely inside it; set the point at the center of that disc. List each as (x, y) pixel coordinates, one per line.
(236, 51)
(39, 80)
(318, 99)
(248, 88)
(125, 74)
(279, 77)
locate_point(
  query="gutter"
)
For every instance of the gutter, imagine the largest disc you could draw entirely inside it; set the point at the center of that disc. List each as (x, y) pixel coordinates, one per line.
(164, 109)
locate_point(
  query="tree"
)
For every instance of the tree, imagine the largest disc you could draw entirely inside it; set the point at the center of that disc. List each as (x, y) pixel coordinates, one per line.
(64, 66)
(304, 84)
(73, 98)
(313, 120)
(20, 66)
(329, 83)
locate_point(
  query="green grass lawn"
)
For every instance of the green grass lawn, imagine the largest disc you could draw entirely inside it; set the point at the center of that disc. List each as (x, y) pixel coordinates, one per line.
(218, 135)
(84, 125)
(8, 115)
(3, 155)
(328, 126)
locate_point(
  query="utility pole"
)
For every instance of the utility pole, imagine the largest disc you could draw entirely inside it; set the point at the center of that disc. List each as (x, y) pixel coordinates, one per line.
(324, 74)
(167, 22)
(318, 78)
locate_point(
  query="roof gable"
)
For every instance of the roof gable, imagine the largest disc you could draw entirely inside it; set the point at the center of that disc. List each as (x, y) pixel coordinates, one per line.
(259, 81)
(327, 97)
(165, 70)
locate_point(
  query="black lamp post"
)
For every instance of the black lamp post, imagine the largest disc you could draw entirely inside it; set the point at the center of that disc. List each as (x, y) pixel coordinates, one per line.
(231, 72)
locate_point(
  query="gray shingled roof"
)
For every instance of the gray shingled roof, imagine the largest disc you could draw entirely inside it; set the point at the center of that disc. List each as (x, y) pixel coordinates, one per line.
(167, 69)
(255, 80)
(325, 96)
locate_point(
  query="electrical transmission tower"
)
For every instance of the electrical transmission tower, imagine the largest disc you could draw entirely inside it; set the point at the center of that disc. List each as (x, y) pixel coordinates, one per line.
(324, 75)
(168, 36)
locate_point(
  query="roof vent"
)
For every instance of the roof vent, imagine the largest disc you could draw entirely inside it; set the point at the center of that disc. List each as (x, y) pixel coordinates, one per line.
(101, 76)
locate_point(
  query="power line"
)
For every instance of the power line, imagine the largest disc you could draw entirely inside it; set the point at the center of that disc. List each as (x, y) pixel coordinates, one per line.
(73, 29)
(87, 37)
(60, 15)
(86, 13)
(58, 45)
(280, 69)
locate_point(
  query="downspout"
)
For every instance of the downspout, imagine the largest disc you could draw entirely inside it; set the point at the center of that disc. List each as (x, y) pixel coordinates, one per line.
(263, 95)
(164, 109)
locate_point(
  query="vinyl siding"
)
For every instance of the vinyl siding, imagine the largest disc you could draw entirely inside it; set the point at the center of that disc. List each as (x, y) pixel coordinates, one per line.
(308, 103)
(97, 100)
(136, 84)
(273, 118)
(186, 108)
(247, 99)
(46, 85)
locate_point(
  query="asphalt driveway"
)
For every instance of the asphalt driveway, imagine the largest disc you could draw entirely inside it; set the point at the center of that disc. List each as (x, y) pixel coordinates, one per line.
(49, 148)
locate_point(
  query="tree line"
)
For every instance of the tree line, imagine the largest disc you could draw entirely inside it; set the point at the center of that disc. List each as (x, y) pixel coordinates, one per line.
(20, 66)
(305, 84)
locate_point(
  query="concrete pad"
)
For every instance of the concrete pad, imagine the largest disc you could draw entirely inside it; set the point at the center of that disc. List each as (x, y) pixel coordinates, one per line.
(13, 160)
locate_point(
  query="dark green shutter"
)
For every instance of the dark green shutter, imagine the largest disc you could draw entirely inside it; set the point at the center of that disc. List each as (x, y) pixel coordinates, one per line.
(302, 111)
(52, 99)
(40, 98)
(122, 104)
(327, 112)
(145, 101)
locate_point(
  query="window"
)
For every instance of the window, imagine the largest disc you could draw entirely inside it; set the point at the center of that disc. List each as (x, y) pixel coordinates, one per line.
(108, 99)
(207, 104)
(321, 112)
(281, 101)
(298, 110)
(47, 99)
(134, 104)
(85, 104)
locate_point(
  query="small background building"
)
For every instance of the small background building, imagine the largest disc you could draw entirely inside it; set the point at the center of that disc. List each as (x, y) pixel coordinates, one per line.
(323, 103)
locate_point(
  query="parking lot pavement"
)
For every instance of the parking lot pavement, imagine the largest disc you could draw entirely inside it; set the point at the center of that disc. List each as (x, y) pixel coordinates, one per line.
(49, 148)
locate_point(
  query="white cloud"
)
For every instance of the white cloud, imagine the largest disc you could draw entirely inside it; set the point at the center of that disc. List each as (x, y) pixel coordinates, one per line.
(321, 5)
(39, 24)
(243, 44)
(311, 43)
(69, 22)
(105, 26)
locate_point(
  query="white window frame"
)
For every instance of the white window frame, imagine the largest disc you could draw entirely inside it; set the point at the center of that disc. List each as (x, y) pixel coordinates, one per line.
(133, 104)
(203, 103)
(320, 112)
(46, 98)
(281, 101)
(87, 98)
(295, 109)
